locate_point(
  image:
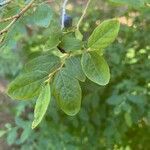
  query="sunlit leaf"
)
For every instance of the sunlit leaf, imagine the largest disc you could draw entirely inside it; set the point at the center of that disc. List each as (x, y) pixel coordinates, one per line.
(26, 86)
(41, 105)
(104, 34)
(95, 68)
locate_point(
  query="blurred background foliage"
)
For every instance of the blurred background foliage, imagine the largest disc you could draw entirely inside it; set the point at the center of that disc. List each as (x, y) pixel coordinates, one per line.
(116, 116)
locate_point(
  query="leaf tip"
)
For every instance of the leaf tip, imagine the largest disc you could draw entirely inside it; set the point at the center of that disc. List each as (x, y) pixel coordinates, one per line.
(34, 125)
(8, 91)
(72, 113)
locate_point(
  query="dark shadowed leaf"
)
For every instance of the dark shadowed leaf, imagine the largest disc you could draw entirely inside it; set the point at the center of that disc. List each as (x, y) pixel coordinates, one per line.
(67, 92)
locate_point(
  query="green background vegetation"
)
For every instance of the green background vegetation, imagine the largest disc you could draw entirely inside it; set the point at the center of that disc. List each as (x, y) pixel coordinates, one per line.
(116, 116)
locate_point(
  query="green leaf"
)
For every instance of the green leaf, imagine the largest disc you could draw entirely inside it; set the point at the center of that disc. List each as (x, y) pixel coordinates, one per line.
(12, 136)
(26, 133)
(95, 68)
(116, 99)
(146, 1)
(78, 35)
(70, 43)
(43, 15)
(26, 86)
(104, 35)
(74, 68)
(2, 132)
(67, 92)
(15, 32)
(132, 3)
(137, 99)
(128, 119)
(53, 35)
(47, 63)
(41, 105)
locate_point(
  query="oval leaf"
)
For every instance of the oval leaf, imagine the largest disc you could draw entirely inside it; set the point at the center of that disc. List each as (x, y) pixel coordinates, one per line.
(95, 68)
(67, 92)
(26, 86)
(43, 15)
(104, 34)
(70, 43)
(53, 35)
(74, 68)
(46, 63)
(41, 105)
(133, 3)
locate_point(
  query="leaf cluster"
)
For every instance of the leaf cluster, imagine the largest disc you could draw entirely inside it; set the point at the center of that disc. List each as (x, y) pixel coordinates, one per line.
(69, 61)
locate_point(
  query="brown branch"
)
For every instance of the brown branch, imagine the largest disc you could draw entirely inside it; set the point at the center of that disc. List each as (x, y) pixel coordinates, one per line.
(16, 17)
(8, 19)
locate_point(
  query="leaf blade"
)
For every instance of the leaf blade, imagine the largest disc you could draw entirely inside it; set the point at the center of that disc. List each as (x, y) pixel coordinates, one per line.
(46, 63)
(67, 92)
(104, 34)
(43, 15)
(27, 85)
(41, 105)
(74, 68)
(70, 43)
(95, 68)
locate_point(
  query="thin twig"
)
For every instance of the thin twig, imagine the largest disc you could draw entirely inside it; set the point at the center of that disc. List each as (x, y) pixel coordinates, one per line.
(84, 13)
(8, 19)
(16, 17)
(58, 69)
(63, 13)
